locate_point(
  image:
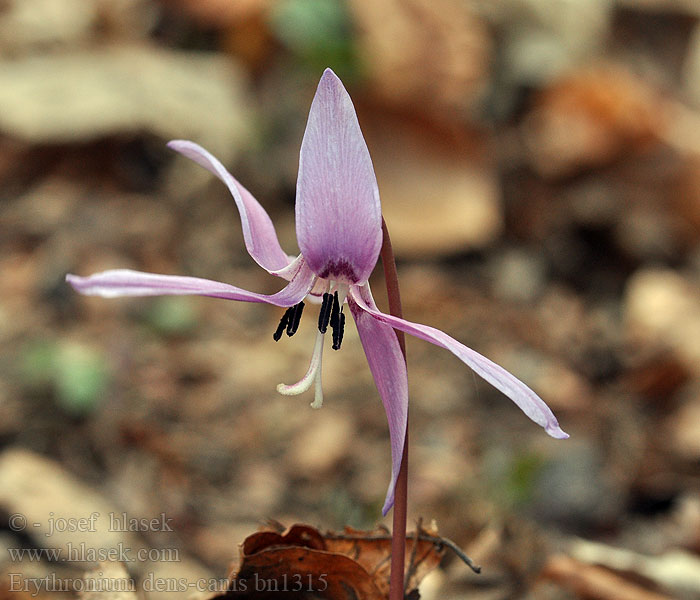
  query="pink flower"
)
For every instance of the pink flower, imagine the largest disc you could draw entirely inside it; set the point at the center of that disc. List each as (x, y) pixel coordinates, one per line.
(338, 223)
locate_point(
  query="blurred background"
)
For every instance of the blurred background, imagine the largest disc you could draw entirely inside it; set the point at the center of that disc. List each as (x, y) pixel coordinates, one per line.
(538, 162)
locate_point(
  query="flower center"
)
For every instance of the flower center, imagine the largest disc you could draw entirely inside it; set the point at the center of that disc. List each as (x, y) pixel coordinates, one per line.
(331, 313)
(340, 270)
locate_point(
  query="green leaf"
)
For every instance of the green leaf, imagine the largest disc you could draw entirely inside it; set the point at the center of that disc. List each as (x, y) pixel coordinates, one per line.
(80, 379)
(172, 315)
(318, 32)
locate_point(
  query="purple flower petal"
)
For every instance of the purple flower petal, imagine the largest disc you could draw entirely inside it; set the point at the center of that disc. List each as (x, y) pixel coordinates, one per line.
(258, 231)
(529, 402)
(338, 216)
(124, 282)
(389, 371)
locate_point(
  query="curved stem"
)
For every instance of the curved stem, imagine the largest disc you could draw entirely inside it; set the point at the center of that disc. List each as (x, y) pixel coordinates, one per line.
(398, 536)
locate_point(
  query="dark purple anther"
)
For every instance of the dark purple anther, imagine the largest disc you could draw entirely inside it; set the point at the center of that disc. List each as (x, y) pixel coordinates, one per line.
(294, 318)
(325, 314)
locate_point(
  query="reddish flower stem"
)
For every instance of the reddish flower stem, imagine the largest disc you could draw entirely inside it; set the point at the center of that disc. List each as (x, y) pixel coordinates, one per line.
(398, 537)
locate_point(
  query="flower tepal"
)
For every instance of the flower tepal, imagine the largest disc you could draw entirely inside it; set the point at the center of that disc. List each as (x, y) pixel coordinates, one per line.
(338, 223)
(338, 214)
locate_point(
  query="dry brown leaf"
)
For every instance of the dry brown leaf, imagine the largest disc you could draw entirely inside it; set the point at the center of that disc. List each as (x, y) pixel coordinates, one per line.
(244, 25)
(372, 549)
(683, 430)
(426, 55)
(591, 582)
(219, 13)
(686, 197)
(434, 184)
(339, 566)
(78, 96)
(588, 118)
(674, 570)
(660, 309)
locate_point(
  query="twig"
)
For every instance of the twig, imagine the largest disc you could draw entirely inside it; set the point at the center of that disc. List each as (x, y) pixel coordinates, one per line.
(456, 549)
(436, 540)
(412, 560)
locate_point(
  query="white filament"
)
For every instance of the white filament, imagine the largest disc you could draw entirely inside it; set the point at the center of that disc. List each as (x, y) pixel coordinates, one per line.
(313, 376)
(342, 289)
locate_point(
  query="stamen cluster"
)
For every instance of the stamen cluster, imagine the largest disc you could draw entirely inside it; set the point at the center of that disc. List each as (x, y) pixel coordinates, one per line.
(289, 321)
(331, 313)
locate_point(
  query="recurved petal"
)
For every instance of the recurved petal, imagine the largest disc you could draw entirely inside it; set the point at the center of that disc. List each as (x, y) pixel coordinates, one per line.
(125, 282)
(258, 231)
(338, 215)
(388, 367)
(529, 402)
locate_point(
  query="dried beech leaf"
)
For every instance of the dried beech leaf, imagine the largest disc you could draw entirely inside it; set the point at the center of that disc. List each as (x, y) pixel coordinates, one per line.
(401, 41)
(589, 118)
(301, 570)
(419, 168)
(76, 96)
(220, 13)
(372, 549)
(298, 535)
(591, 582)
(303, 563)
